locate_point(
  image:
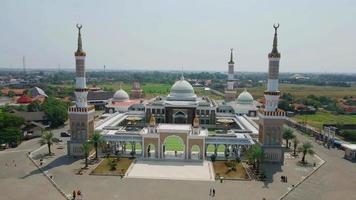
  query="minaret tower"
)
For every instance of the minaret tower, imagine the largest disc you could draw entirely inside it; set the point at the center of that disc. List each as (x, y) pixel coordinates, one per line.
(230, 93)
(81, 115)
(271, 119)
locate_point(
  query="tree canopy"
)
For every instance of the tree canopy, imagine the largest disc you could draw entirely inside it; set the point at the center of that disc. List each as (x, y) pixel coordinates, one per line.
(55, 111)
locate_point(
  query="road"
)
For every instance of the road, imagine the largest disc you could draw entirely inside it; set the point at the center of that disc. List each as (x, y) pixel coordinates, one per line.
(20, 179)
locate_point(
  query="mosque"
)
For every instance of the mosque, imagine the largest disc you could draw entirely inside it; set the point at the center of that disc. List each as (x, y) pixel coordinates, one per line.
(197, 121)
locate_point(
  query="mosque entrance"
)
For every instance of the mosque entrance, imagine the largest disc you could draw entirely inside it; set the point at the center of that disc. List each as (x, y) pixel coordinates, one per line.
(173, 148)
(180, 117)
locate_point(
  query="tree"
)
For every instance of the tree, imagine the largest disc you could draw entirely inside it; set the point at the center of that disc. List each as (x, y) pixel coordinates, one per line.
(10, 135)
(34, 106)
(288, 135)
(86, 151)
(254, 155)
(295, 145)
(47, 138)
(96, 139)
(10, 128)
(11, 94)
(10, 120)
(306, 148)
(55, 111)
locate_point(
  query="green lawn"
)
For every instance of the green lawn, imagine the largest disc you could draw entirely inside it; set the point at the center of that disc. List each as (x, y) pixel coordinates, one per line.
(174, 144)
(317, 120)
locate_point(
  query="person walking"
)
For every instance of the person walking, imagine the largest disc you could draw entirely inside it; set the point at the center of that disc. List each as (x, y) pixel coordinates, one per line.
(213, 192)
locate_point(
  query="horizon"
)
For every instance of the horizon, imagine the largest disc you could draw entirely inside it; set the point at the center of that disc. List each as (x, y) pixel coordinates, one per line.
(168, 35)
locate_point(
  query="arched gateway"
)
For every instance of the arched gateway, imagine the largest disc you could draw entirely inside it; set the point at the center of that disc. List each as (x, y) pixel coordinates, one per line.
(183, 132)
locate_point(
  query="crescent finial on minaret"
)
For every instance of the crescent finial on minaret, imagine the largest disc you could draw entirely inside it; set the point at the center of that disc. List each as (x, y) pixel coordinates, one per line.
(79, 51)
(275, 52)
(231, 56)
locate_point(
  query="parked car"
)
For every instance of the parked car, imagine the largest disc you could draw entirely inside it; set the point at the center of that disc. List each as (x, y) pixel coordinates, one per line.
(65, 134)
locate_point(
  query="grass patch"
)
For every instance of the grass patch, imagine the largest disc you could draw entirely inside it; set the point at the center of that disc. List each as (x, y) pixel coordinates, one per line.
(299, 90)
(221, 169)
(318, 119)
(104, 167)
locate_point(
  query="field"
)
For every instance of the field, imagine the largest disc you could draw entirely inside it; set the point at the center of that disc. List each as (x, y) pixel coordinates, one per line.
(318, 119)
(305, 90)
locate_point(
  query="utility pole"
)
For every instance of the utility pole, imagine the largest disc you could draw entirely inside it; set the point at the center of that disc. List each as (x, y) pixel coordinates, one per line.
(24, 64)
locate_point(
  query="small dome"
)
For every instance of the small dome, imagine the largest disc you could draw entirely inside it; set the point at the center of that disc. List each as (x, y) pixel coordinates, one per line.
(245, 98)
(120, 95)
(182, 90)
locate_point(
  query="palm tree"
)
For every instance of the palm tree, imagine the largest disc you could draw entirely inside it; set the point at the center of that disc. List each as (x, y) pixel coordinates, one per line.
(306, 148)
(47, 138)
(254, 155)
(96, 139)
(86, 150)
(295, 145)
(288, 135)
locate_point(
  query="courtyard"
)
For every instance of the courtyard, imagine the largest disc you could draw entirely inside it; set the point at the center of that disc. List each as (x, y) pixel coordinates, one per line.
(172, 170)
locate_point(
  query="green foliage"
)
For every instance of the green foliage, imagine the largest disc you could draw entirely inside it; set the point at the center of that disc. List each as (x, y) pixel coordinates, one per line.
(306, 148)
(96, 139)
(10, 120)
(47, 138)
(10, 128)
(34, 106)
(288, 135)
(11, 94)
(55, 111)
(10, 135)
(348, 134)
(86, 150)
(112, 164)
(254, 155)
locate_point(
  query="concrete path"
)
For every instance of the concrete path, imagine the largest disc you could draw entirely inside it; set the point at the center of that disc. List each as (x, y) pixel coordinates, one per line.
(20, 179)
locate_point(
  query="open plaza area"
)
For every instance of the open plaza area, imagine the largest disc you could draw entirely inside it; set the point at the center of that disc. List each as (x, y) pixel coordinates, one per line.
(32, 184)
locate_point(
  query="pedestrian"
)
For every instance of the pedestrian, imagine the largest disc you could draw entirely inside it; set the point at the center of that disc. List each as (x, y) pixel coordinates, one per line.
(213, 192)
(210, 191)
(286, 179)
(74, 194)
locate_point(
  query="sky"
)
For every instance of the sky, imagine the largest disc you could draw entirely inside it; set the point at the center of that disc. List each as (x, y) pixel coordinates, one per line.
(314, 36)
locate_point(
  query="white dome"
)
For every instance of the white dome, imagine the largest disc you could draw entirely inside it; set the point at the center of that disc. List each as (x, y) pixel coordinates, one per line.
(245, 98)
(182, 90)
(120, 95)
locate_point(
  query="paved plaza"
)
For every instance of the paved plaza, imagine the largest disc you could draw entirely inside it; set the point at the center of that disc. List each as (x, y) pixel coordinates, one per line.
(334, 180)
(173, 170)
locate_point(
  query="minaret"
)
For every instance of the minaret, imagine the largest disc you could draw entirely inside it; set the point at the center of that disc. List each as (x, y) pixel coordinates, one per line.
(81, 115)
(272, 93)
(81, 90)
(231, 63)
(230, 93)
(271, 119)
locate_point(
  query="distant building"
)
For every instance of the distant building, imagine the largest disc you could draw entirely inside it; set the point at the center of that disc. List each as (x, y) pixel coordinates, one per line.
(24, 99)
(17, 92)
(120, 102)
(136, 92)
(230, 91)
